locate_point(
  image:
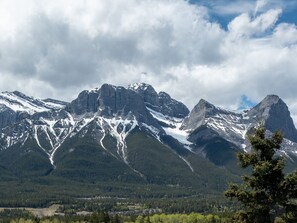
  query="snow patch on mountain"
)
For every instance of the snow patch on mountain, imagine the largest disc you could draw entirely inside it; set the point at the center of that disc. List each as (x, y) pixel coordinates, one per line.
(17, 101)
(136, 86)
(8, 140)
(54, 105)
(187, 162)
(172, 127)
(55, 134)
(37, 141)
(231, 125)
(180, 135)
(154, 131)
(120, 128)
(288, 148)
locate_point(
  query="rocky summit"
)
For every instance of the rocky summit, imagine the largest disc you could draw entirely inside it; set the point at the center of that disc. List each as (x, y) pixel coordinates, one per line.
(132, 135)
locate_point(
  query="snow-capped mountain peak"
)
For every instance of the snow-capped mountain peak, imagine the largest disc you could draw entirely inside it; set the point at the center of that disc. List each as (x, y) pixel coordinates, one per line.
(113, 113)
(160, 102)
(235, 126)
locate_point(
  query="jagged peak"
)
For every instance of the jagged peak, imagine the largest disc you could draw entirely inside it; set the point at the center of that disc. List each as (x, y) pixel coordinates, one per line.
(203, 103)
(207, 106)
(140, 86)
(92, 90)
(97, 89)
(272, 99)
(20, 94)
(267, 102)
(17, 97)
(197, 116)
(275, 115)
(160, 102)
(20, 102)
(105, 85)
(164, 94)
(14, 94)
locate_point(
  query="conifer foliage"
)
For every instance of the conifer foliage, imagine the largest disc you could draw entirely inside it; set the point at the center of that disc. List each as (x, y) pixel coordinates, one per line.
(267, 195)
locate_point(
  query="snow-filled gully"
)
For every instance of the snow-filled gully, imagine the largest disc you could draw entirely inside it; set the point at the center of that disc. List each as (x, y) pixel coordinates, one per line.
(175, 132)
(121, 136)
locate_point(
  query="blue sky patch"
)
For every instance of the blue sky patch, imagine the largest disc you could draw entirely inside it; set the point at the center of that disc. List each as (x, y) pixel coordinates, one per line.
(245, 103)
(224, 11)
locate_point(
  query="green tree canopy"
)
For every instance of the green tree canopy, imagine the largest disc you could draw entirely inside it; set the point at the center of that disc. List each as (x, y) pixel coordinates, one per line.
(268, 195)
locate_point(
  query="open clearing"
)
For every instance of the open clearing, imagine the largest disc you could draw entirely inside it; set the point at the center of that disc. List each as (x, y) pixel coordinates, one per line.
(40, 212)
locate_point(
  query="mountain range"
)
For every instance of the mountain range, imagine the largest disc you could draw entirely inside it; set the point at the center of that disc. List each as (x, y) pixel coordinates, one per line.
(133, 135)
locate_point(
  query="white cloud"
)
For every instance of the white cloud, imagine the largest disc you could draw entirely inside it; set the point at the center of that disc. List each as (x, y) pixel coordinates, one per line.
(58, 48)
(244, 25)
(252, 7)
(231, 7)
(285, 34)
(259, 5)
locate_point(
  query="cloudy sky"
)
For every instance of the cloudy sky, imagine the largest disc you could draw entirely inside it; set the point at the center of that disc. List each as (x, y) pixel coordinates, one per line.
(229, 52)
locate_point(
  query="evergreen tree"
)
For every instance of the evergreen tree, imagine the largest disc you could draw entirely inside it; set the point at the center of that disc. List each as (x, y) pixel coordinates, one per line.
(100, 217)
(267, 194)
(115, 219)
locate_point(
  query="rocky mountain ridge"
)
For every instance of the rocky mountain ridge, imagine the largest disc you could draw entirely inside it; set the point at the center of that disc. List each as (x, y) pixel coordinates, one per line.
(111, 116)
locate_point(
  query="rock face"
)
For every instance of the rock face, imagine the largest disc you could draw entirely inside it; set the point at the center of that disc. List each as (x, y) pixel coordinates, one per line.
(120, 101)
(7, 116)
(229, 125)
(198, 115)
(15, 106)
(274, 114)
(85, 102)
(160, 102)
(171, 107)
(111, 101)
(147, 92)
